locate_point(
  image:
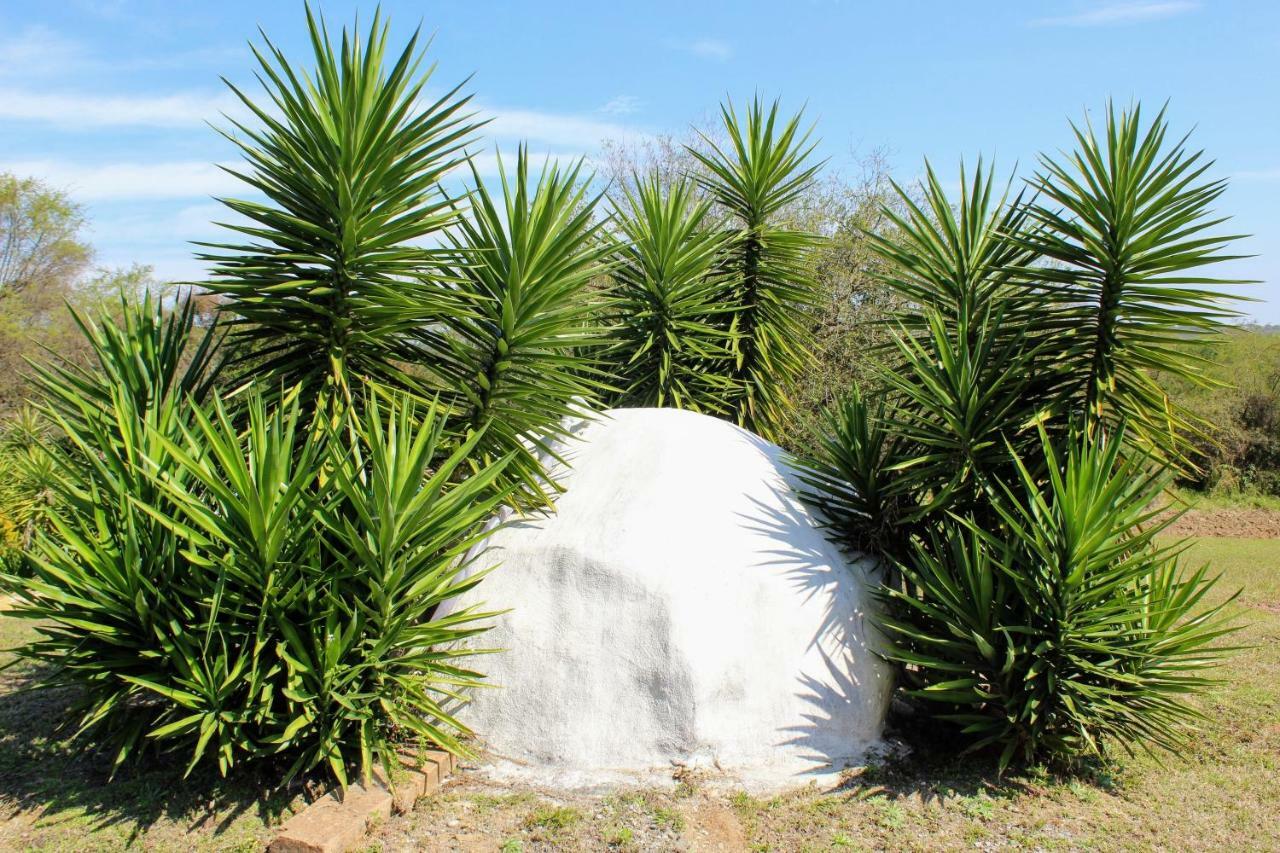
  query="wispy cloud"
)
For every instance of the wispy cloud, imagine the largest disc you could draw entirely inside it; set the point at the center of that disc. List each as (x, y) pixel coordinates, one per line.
(163, 226)
(1115, 14)
(191, 179)
(703, 48)
(622, 105)
(578, 133)
(78, 110)
(1257, 175)
(37, 52)
(129, 181)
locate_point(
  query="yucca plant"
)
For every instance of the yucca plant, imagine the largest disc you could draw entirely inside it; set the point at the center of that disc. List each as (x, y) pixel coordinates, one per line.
(334, 278)
(966, 381)
(107, 576)
(28, 471)
(1121, 228)
(951, 257)
(765, 165)
(519, 355)
(671, 304)
(1069, 629)
(239, 584)
(356, 539)
(1009, 467)
(851, 476)
(250, 564)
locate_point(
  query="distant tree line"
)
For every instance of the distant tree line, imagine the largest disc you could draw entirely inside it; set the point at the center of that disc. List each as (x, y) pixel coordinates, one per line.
(1238, 450)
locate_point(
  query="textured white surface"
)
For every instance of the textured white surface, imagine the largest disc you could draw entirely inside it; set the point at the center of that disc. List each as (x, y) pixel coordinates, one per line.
(680, 606)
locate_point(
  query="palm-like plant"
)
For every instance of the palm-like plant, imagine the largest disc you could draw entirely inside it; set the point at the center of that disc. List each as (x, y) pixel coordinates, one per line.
(242, 584)
(764, 167)
(1070, 628)
(1015, 441)
(518, 359)
(333, 278)
(108, 579)
(1120, 231)
(952, 258)
(852, 475)
(356, 543)
(236, 578)
(963, 394)
(29, 474)
(967, 382)
(671, 303)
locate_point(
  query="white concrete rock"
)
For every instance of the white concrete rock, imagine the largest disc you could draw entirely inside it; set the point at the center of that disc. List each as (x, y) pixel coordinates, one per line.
(680, 607)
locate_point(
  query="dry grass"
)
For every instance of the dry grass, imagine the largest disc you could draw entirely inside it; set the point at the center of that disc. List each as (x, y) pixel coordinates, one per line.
(1222, 793)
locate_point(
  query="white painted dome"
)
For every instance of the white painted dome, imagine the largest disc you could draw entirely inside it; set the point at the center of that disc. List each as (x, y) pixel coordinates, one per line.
(681, 605)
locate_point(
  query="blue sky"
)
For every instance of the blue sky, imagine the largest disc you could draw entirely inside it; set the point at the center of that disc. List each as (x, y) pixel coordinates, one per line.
(109, 99)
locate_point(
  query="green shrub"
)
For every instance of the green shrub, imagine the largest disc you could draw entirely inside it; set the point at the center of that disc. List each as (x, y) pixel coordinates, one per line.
(252, 534)
(360, 267)
(26, 494)
(764, 168)
(519, 355)
(671, 307)
(1066, 629)
(238, 584)
(1007, 468)
(1238, 449)
(728, 333)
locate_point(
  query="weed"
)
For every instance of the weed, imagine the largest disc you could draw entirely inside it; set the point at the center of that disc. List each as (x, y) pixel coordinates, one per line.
(668, 819)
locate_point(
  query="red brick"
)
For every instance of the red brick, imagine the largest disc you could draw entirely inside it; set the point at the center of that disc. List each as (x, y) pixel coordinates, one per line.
(335, 823)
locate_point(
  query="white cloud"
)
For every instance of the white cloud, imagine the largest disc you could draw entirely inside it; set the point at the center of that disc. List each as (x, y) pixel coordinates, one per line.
(117, 182)
(703, 48)
(1257, 175)
(38, 51)
(622, 105)
(1121, 13)
(123, 181)
(82, 110)
(192, 222)
(579, 133)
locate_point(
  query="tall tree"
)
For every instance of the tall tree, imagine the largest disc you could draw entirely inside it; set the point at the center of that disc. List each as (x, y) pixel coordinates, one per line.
(40, 240)
(44, 265)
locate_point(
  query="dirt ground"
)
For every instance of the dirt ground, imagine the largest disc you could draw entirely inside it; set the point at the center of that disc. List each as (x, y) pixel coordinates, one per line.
(1229, 522)
(474, 815)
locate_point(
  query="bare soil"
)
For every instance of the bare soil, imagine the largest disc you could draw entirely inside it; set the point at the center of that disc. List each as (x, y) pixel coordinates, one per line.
(1229, 522)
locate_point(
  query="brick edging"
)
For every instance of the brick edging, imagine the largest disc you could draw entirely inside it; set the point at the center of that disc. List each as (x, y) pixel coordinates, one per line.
(337, 822)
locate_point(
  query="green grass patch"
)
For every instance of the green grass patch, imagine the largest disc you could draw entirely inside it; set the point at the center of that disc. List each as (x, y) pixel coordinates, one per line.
(554, 818)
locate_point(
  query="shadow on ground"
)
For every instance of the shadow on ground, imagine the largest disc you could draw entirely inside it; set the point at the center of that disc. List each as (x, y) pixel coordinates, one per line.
(925, 760)
(49, 785)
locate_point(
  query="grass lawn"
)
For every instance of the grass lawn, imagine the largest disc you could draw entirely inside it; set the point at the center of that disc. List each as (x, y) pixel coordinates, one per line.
(1211, 502)
(1223, 792)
